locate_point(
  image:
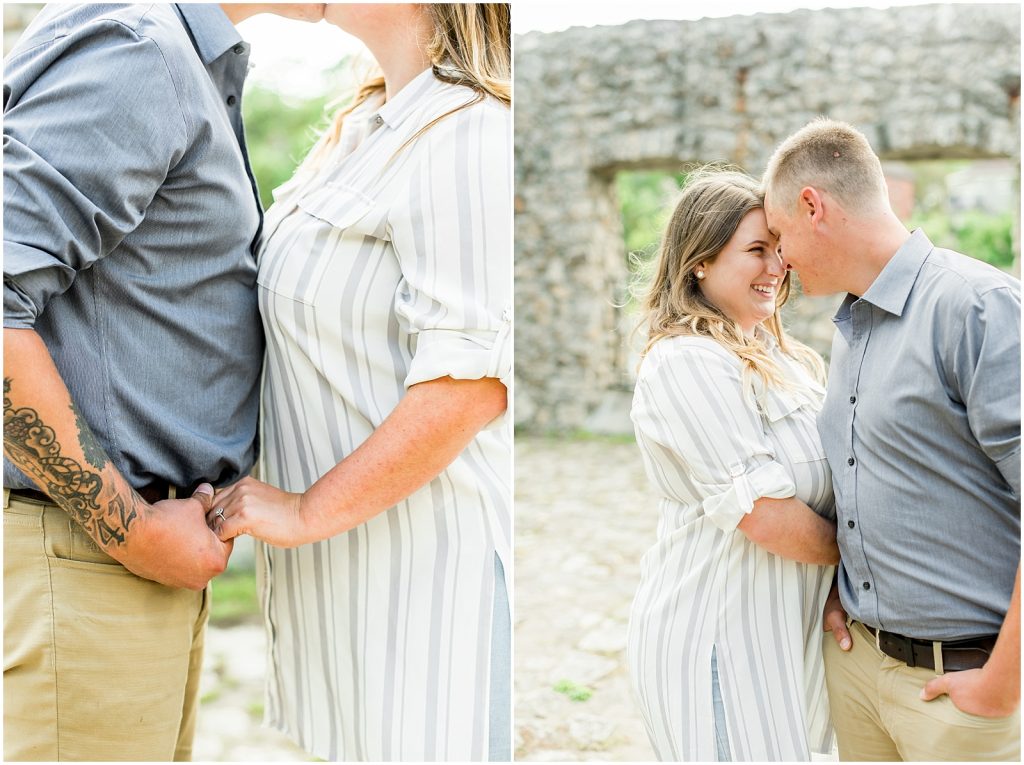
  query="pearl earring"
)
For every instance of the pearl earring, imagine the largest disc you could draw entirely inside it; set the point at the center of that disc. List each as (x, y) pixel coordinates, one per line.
(700, 273)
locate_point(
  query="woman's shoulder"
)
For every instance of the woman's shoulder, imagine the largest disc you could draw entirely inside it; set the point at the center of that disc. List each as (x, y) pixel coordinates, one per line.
(702, 354)
(463, 105)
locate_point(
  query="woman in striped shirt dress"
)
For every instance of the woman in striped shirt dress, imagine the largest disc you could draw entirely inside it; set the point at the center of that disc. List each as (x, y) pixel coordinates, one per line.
(724, 642)
(385, 289)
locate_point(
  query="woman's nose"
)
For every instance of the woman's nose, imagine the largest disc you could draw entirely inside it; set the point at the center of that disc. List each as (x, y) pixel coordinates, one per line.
(776, 266)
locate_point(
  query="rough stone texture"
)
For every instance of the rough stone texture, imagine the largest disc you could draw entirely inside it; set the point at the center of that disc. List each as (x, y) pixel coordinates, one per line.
(924, 82)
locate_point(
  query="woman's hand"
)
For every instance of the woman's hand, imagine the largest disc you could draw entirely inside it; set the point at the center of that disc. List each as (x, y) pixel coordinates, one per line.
(261, 511)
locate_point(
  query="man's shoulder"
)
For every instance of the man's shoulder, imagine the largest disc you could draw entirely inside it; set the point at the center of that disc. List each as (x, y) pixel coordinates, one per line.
(953, 272)
(56, 23)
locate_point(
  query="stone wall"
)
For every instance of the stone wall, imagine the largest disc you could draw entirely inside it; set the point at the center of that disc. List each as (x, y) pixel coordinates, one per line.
(924, 82)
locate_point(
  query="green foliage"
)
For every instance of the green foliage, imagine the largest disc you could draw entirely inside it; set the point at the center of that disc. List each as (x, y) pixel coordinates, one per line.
(573, 691)
(234, 599)
(645, 199)
(986, 237)
(979, 234)
(279, 132)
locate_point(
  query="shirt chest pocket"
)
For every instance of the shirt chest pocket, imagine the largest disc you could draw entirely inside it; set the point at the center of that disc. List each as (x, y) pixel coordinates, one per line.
(325, 229)
(792, 428)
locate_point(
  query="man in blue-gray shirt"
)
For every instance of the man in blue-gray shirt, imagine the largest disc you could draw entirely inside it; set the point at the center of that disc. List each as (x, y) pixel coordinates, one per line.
(132, 354)
(921, 426)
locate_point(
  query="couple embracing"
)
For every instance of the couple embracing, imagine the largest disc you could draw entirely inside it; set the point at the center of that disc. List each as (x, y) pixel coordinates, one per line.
(161, 336)
(883, 507)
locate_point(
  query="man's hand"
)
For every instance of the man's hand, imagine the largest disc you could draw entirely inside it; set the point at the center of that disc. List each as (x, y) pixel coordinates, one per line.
(172, 544)
(834, 619)
(993, 690)
(972, 691)
(48, 438)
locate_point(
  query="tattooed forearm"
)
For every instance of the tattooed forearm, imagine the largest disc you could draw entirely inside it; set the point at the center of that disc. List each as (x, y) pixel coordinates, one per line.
(32, 445)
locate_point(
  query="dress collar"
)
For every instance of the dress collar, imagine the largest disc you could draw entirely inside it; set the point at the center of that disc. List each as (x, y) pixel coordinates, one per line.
(392, 113)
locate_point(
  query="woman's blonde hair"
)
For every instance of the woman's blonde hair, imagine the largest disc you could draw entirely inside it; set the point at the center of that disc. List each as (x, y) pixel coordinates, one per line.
(471, 45)
(708, 212)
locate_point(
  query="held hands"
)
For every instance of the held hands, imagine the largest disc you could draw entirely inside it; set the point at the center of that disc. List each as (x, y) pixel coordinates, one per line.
(834, 619)
(172, 544)
(261, 511)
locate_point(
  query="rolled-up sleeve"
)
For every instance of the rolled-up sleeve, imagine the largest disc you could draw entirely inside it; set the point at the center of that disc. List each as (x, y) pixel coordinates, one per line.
(987, 369)
(92, 125)
(452, 236)
(692, 404)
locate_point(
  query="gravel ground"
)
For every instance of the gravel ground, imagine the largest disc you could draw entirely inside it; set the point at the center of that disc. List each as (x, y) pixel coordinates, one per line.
(584, 517)
(231, 707)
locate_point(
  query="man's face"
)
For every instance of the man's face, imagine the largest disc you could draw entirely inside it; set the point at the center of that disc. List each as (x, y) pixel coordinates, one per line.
(800, 249)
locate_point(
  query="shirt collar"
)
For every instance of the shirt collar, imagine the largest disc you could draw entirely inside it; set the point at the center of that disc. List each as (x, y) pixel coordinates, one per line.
(212, 31)
(766, 337)
(392, 113)
(891, 288)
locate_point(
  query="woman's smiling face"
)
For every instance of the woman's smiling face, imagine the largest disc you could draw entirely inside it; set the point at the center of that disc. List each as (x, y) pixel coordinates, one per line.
(743, 281)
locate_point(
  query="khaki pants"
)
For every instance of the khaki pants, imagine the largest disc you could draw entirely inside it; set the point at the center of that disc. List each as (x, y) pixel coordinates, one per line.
(98, 663)
(879, 715)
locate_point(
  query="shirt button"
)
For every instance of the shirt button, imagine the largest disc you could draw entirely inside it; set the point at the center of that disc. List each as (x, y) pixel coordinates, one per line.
(853, 399)
(851, 524)
(239, 49)
(850, 461)
(232, 100)
(867, 585)
(379, 120)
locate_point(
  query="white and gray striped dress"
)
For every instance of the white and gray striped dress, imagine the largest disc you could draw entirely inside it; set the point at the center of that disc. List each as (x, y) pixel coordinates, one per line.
(391, 266)
(703, 585)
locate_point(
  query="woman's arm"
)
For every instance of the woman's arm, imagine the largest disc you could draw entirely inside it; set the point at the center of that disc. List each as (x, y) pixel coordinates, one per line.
(789, 528)
(431, 425)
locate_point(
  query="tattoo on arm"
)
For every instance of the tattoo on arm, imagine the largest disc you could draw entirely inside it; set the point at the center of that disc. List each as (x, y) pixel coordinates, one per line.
(32, 445)
(91, 448)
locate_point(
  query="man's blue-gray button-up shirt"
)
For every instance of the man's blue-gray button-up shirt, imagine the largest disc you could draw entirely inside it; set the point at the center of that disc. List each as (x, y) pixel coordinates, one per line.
(921, 426)
(130, 220)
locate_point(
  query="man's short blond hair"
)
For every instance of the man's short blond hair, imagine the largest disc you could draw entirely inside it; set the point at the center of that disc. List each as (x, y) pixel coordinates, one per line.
(831, 156)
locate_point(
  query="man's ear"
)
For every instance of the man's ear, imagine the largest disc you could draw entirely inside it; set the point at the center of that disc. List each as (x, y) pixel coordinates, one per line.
(811, 206)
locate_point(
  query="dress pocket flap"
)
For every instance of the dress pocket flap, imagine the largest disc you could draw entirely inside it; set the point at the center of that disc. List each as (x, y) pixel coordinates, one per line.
(337, 204)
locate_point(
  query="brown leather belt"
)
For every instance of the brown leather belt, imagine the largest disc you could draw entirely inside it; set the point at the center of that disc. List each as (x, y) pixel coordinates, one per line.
(154, 492)
(951, 655)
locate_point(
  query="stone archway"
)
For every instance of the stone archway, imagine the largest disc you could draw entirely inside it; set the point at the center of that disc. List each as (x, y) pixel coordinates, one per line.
(937, 81)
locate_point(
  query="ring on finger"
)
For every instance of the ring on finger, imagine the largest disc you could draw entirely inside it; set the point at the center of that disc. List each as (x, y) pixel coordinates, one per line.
(219, 512)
